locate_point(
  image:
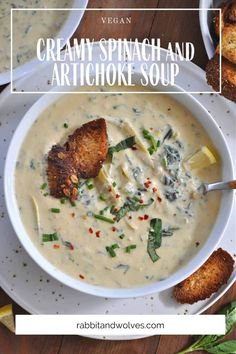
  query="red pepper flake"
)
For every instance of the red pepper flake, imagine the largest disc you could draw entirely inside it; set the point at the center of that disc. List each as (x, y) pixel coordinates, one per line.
(90, 230)
(115, 209)
(73, 215)
(147, 183)
(109, 189)
(154, 189)
(71, 247)
(130, 217)
(134, 148)
(148, 177)
(115, 218)
(141, 201)
(81, 276)
(159, 199)
(117, 196)
(98, 233)
(140, 218)
(113, 228)
(56, 246)
(146, 217)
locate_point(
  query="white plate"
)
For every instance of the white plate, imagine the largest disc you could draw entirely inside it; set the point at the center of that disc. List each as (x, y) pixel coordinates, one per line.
(33, 289)
(205, 18)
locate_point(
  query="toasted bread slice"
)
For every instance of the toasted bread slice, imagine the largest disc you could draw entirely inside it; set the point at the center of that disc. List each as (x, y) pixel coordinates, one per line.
(62, 178)
(88, 146)
(206, 280)
(228, 45)
(230, 15)
(228, 77)
(216, 19)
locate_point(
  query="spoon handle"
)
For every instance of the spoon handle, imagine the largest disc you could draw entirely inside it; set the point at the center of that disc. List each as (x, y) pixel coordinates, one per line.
(221, 186)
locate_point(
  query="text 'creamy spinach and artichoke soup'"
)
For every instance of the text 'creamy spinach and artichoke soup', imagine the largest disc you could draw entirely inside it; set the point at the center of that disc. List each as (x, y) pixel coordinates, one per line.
(109, 186)
(28, 27)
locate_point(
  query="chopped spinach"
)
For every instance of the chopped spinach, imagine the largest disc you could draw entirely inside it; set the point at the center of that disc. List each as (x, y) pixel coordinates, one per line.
(130, 205)
(154, 238)
(171, 154)
(124, 144)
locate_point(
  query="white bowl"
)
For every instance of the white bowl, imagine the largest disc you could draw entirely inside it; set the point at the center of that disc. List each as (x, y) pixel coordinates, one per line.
(215, 134)
(65, 32)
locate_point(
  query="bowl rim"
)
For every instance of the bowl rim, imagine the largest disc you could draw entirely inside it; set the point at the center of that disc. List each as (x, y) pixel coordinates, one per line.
(192, 265)
(66, 31)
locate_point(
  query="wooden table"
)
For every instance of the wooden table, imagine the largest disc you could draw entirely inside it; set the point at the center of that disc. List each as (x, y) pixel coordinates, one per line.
(169, 26)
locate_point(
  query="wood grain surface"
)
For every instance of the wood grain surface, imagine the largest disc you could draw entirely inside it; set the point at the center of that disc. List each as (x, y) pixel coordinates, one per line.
(170, 26)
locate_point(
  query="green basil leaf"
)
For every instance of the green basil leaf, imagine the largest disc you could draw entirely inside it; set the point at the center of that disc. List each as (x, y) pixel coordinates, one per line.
(124, 144)
(228, 347)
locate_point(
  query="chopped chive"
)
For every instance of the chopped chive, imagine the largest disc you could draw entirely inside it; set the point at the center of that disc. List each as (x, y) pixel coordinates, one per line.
(66, 125)
(50, 237)
(121, 236)
(55, 210)
(43, 186)
(114, 184)
(63, 200)
(114, 246)
(89, 183)
(164, 162)
(73, 204)
(137, 199)
(103, 218)
(46, 194)
(111, 251)
(129, 248)
(158, 143)
(102, 197)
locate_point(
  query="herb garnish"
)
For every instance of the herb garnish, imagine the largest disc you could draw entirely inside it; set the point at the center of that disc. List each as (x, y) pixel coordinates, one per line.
(66, 125)
(55, 210)
(50, 237)
(129, 205)
(153, 142)
(129, 248)
(103, 218)
(89, 183)
(154, 238)
(110, 249)
(124, 144)
(213, 343)
(43, 186)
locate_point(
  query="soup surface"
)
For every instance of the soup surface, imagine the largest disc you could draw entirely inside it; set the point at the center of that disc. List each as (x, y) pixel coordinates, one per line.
(28, 27)
(112, 252)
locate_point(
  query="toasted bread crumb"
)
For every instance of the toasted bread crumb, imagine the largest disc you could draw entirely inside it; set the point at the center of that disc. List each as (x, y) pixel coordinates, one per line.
(208, 279)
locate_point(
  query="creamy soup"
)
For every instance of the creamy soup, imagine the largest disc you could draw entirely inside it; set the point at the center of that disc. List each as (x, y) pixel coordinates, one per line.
(96, 239)
(28, 27)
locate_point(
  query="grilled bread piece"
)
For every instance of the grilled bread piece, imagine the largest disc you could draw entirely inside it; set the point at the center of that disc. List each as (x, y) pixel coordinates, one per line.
(81, 156)
(216, 19)
(88, 146)
(228, 77)
(62, 178)
(228, 43)
(228, 16)
(206, 280)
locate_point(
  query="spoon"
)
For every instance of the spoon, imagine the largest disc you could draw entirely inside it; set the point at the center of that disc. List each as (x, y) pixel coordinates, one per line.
(218, 186)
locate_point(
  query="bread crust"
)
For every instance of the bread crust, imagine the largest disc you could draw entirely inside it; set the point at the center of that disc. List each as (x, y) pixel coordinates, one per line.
(228, 43)
(88, 146)
(61, 174)
(82, 156)
(228, 77)
(208, 279)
